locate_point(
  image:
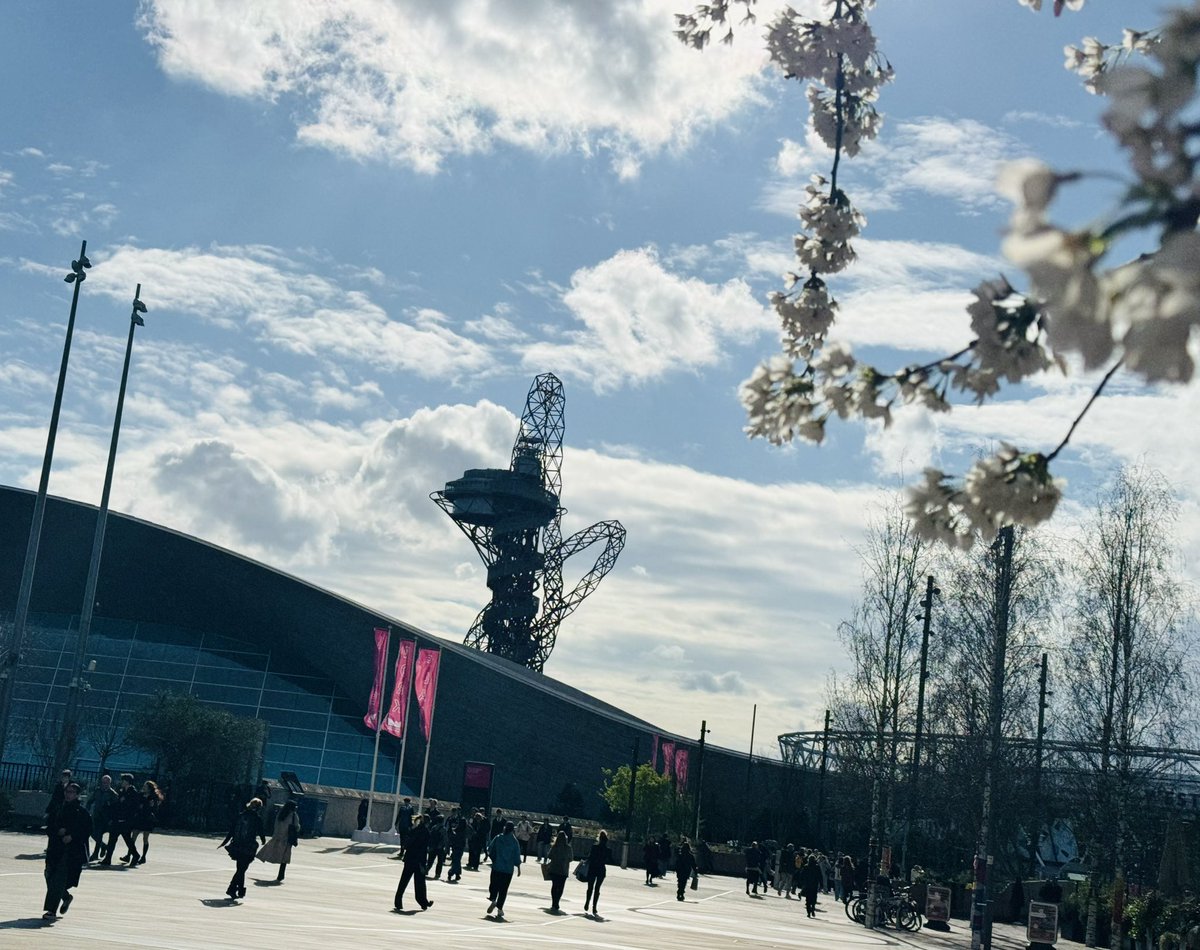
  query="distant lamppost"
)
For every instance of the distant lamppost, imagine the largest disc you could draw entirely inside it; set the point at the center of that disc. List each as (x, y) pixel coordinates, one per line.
(704, 730)
(16, 643)
(70, 722)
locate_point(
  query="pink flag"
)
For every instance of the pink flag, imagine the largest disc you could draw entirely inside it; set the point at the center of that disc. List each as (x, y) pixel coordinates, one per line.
(426, 682)
(393, 722)
(668, 753)
(682, 758)
(373, 704)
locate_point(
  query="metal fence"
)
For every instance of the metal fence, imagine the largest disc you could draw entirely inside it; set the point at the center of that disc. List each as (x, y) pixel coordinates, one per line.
(210, 807)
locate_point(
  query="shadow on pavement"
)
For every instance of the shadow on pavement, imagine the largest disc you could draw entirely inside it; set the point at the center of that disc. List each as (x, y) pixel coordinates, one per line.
(24, 923)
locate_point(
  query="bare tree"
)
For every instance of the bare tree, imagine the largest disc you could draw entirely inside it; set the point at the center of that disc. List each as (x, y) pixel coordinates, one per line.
(883, 639)
(1126, 675)
(105, 730)
(982, 595)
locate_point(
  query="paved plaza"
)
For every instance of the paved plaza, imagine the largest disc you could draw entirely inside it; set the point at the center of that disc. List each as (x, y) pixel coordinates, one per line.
(340, 895)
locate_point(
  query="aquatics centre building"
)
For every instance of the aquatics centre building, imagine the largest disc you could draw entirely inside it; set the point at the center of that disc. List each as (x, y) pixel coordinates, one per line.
(177, 614)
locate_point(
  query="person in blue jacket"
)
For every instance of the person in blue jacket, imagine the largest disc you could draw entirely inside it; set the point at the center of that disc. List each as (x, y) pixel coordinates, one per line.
(505, 852)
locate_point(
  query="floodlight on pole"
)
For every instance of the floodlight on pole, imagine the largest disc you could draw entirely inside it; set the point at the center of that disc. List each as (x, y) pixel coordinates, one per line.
(16, 642)
(70, 721)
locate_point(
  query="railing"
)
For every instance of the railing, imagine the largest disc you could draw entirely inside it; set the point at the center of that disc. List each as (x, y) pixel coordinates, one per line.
(207, 808)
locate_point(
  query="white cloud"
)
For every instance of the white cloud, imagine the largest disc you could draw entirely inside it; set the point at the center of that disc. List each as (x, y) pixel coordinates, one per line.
(706, 682)
(285, 305)
(953, 159)
(415, 82)
(640, 322)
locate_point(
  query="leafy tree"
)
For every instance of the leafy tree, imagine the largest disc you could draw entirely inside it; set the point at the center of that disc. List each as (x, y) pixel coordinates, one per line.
(194, 743)
(652, 809)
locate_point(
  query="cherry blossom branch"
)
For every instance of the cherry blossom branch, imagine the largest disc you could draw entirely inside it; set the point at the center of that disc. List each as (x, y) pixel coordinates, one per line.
(1083, 412)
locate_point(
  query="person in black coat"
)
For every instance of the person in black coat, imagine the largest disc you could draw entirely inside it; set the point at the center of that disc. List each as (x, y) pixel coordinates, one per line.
(124, 813)
(810, 883)
(685, 865)
(598, 860)
(415, 856)
(458, 843)
(650, 860)
(66, 851)
(243, 840)
(476, 839)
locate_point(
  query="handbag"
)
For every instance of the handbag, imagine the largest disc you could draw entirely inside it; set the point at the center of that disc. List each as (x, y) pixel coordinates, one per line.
(293, 835)
(546, 875)
(581, 870)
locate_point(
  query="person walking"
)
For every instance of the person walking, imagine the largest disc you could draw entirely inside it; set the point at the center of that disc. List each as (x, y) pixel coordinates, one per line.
(752, 868)
(476, 839)
(846, 866)
(685, 866)
(524, 832)
(242, 845)
(438, 844)
(66, 851)
(650, 860)
(505, 852)
(415, 855)
(545, 834)
(404, 822)
(146, 818)
(101, 804)
(124, 814)
(284, 837)
(787, 867)
(558, 869)
(57, 797)
(810, 883)
(458, 841)
(598, 860)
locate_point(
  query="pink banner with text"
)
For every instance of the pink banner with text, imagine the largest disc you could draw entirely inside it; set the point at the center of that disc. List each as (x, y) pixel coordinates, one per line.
(393, 722)
(371, 719)
(426, 686)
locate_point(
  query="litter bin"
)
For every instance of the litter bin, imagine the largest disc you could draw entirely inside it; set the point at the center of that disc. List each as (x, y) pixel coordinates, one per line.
(312, 816)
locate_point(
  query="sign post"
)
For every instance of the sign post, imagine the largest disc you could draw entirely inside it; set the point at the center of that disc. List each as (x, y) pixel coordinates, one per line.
(1042, 930)
(937, 908)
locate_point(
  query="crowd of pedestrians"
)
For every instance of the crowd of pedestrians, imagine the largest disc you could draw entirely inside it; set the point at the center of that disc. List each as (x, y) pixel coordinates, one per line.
(431, 843)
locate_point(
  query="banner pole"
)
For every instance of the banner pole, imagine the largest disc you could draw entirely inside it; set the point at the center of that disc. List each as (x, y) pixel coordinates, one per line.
(429, 738)
(378, 727)
(412, 672)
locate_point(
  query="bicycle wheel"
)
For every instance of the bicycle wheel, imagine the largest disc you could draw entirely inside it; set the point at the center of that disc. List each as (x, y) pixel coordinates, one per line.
(856, 910)
(909, 918)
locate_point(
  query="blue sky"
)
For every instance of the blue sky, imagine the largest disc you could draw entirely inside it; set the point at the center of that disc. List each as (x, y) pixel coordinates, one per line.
(362, 227)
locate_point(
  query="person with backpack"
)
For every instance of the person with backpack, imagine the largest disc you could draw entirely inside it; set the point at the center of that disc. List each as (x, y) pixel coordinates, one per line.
(242, 845)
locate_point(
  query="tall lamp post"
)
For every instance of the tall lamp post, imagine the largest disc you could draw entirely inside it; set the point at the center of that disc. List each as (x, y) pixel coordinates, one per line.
(704, 730)
(70, 723)
(16, 643)
(931, 591)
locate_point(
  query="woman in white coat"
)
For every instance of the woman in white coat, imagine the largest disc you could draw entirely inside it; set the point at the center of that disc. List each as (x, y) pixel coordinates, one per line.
(286, 834)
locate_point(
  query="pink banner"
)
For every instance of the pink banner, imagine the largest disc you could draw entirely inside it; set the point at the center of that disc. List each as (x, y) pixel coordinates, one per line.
(371, 719)
(682, 758)
(393, 722)
(426, 682)
(668, 754)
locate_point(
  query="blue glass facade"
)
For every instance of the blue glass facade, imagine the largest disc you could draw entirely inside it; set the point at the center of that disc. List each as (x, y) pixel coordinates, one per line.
(314, 730)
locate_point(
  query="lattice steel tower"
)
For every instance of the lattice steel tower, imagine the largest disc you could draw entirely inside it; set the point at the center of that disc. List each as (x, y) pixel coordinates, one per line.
(513, 517)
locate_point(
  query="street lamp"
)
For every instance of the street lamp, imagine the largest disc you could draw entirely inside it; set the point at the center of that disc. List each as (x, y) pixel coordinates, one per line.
(8, 667)
(70, 724)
